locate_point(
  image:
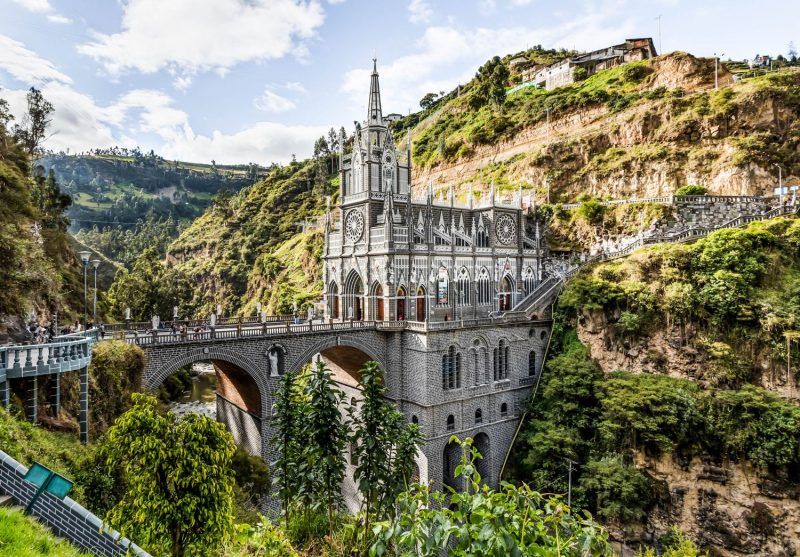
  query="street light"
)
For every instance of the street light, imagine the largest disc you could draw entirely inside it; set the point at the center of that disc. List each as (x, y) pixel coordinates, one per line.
(95, 264)
(85, 260)
(716, 69)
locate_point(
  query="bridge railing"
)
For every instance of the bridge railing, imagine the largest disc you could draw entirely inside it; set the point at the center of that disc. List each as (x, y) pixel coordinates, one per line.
(243, 331)
(194, 323)
(24, 360)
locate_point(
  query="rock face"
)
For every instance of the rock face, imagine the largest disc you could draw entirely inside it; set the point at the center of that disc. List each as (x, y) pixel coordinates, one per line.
(13, 330)
(723, 505)
(690, 135)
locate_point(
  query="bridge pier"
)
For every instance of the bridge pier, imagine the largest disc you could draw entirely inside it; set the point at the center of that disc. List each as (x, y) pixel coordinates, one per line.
(5, 394)
(83, 417)
(31, 390)
(55, 395)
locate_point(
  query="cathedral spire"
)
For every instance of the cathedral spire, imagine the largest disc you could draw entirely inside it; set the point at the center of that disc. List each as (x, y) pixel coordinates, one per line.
(374, 112)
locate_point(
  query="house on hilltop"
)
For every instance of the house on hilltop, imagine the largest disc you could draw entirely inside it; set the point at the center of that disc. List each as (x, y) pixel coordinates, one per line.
(563, 72)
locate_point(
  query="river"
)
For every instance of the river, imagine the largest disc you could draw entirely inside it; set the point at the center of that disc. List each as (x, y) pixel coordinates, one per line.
(201, 398)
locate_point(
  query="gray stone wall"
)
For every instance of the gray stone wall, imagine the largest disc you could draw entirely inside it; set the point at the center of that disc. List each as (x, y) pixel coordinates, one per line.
(66, 518)
(709, 212)
(244, 426)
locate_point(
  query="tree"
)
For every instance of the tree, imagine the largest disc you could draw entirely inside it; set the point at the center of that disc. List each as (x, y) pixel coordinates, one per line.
(34, 123)
(482, 522)
(325, 437)
(490, 84)
(180, 483)
(288, 419)
(428, 101)
(385, 447)
(792, 53)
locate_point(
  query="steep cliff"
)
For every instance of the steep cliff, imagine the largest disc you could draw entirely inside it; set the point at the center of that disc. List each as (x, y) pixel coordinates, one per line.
(684, 367)
(640, 129)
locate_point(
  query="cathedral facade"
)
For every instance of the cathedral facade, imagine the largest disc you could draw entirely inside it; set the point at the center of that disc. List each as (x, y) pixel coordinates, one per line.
(451, 273)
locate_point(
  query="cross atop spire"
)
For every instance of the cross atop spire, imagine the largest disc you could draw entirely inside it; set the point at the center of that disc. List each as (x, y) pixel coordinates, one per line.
(374, 112)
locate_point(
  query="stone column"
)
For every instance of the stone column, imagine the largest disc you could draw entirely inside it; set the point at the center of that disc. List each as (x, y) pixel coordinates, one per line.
(31, 403)
(83, 416)
(5, 390)
(55, 395)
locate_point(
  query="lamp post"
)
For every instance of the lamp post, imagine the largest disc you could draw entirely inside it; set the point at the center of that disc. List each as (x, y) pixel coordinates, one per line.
(95, 264)
(85, 260)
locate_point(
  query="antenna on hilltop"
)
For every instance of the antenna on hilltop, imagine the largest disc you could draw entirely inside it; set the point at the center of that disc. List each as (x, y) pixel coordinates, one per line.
(660, 50)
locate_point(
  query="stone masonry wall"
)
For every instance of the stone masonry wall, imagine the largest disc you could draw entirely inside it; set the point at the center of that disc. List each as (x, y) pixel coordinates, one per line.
(66, 518)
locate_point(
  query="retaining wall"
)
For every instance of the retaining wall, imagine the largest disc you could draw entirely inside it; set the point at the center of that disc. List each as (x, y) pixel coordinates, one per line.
(66, 518)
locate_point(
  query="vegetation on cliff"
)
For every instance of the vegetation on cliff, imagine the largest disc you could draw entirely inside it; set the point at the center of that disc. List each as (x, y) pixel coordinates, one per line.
(39, 273)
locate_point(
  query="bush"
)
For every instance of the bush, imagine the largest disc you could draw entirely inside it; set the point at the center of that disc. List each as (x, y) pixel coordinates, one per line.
(580, 73)
(621, 493)
(691, 190)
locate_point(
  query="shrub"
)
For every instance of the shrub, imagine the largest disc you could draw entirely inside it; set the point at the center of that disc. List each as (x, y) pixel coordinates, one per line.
(619, 491)
(691, 190)
(580, 73)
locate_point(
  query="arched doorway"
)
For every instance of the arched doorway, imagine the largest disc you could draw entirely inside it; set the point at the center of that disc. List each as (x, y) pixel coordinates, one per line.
(504, 295)
(333, 300)
(421, 306)
(401, 304)
(481, 442)
(353, 297)
(218, 387)
(377, 302)
(450, 460)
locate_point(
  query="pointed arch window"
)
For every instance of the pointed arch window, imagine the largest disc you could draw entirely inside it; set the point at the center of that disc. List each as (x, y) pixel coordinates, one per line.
(462, 285)
(451, 422)
(484, 287)
(532, 363)
(478, 416)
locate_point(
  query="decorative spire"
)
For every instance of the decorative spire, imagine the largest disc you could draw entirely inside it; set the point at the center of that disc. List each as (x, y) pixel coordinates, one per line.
(374, 112)
(491, 194)
(469, 197)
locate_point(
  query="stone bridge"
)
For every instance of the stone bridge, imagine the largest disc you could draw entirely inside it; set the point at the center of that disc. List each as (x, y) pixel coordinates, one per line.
(249, 360)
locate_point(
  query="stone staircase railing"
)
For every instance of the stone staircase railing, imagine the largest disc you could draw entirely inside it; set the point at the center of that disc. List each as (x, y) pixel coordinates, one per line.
(543, 296)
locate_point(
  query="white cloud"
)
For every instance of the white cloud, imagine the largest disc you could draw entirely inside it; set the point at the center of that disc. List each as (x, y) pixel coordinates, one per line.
(58, 18)
(25, 65)
(421, 11)
(187, 36)
(270, 101)
(43, 7)
(37, 6)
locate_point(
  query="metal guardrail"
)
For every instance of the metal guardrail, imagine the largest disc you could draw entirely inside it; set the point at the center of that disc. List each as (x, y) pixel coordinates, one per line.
(675, 199)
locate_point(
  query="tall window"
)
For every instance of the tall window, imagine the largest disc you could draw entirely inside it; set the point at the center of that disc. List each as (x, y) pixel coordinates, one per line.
(528, 280)
(502, 355)
(451, 369)
(462, 297)
(482, 237)
(451, 423)
(478, 416)
(503, 410)
(484, 287)
(531, 363)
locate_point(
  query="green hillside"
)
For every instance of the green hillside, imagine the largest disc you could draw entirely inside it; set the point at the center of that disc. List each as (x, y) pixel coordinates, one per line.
(21, 536)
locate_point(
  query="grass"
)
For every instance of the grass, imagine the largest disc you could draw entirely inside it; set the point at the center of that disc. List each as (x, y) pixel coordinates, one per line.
(26, 442)
(21, 536)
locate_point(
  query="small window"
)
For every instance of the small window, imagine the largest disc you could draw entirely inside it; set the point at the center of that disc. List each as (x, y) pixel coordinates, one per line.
(532, 363)
(478, 416)
(503, 410)
(451, 423)
(414, 419)
(543, 335)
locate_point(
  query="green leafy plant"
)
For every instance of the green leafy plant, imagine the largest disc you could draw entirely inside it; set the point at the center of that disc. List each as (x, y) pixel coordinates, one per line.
(179, 480)
(512, 521)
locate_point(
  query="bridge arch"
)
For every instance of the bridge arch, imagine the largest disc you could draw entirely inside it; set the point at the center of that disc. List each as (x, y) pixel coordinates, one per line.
(351, 353)
(243, 396)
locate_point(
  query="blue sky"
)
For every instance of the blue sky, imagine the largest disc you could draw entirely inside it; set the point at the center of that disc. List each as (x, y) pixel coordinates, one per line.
(258, 80)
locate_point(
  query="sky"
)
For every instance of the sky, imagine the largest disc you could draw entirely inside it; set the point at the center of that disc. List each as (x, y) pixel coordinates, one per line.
(241, 81)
